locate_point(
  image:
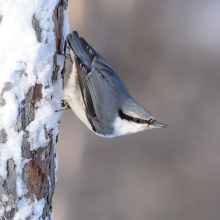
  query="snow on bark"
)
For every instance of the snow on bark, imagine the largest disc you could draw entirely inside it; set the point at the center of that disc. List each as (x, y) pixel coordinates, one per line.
(31, 66)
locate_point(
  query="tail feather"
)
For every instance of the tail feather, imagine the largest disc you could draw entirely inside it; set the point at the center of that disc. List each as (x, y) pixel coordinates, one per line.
(75, 44)
(89, 50)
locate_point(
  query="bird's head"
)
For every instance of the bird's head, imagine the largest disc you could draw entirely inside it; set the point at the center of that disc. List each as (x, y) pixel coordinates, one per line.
(133, 118)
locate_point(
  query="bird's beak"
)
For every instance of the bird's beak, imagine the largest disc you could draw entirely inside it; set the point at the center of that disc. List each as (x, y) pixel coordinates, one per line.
(157, 124)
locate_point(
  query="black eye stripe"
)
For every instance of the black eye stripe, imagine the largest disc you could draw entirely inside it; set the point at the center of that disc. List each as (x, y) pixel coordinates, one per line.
(136, 120)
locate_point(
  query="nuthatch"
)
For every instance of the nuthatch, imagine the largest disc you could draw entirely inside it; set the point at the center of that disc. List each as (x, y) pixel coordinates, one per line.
(98, 96)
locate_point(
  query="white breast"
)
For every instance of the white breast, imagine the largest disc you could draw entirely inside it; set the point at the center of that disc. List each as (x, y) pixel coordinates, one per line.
(73, 95)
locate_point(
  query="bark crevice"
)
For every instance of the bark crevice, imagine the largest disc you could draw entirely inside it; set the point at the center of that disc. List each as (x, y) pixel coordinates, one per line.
(37, 28)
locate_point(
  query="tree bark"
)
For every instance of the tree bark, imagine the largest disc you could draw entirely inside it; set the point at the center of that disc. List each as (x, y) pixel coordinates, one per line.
(30, 92)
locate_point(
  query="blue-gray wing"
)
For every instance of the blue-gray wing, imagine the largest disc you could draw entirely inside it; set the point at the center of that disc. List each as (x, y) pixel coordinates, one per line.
(102, 90)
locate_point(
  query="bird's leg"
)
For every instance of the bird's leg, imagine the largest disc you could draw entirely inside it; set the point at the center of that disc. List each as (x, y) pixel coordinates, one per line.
(68, 57)
(65, 107)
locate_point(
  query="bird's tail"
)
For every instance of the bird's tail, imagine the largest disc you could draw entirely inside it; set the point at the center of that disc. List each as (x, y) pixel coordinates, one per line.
(74, 42)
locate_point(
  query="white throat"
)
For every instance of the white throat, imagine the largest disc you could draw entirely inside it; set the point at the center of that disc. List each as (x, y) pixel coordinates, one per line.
(124, 127)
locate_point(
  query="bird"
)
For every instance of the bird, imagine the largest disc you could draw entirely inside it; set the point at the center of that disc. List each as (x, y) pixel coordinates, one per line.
(98, 96)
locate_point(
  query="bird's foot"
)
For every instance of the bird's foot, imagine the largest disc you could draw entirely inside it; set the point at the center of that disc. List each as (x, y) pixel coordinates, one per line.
(65, 107)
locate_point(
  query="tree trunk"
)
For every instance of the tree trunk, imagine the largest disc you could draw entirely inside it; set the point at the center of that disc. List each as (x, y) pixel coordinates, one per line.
(31, 67)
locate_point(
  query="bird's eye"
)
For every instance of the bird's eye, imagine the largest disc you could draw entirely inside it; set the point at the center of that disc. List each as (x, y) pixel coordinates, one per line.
(138, 120)
(151, 121)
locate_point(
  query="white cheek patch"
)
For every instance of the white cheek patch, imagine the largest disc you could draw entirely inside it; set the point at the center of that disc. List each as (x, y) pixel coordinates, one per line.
(123, 127)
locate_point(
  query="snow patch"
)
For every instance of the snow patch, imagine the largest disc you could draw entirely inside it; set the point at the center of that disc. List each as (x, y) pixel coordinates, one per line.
(24, 61)
(26, 209)
(56, 167)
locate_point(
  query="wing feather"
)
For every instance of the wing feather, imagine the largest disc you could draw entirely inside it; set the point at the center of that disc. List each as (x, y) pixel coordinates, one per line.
(82, 73)
(102, 89)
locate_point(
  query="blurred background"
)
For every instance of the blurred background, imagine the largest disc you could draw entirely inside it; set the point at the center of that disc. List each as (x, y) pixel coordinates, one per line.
(167, 52)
